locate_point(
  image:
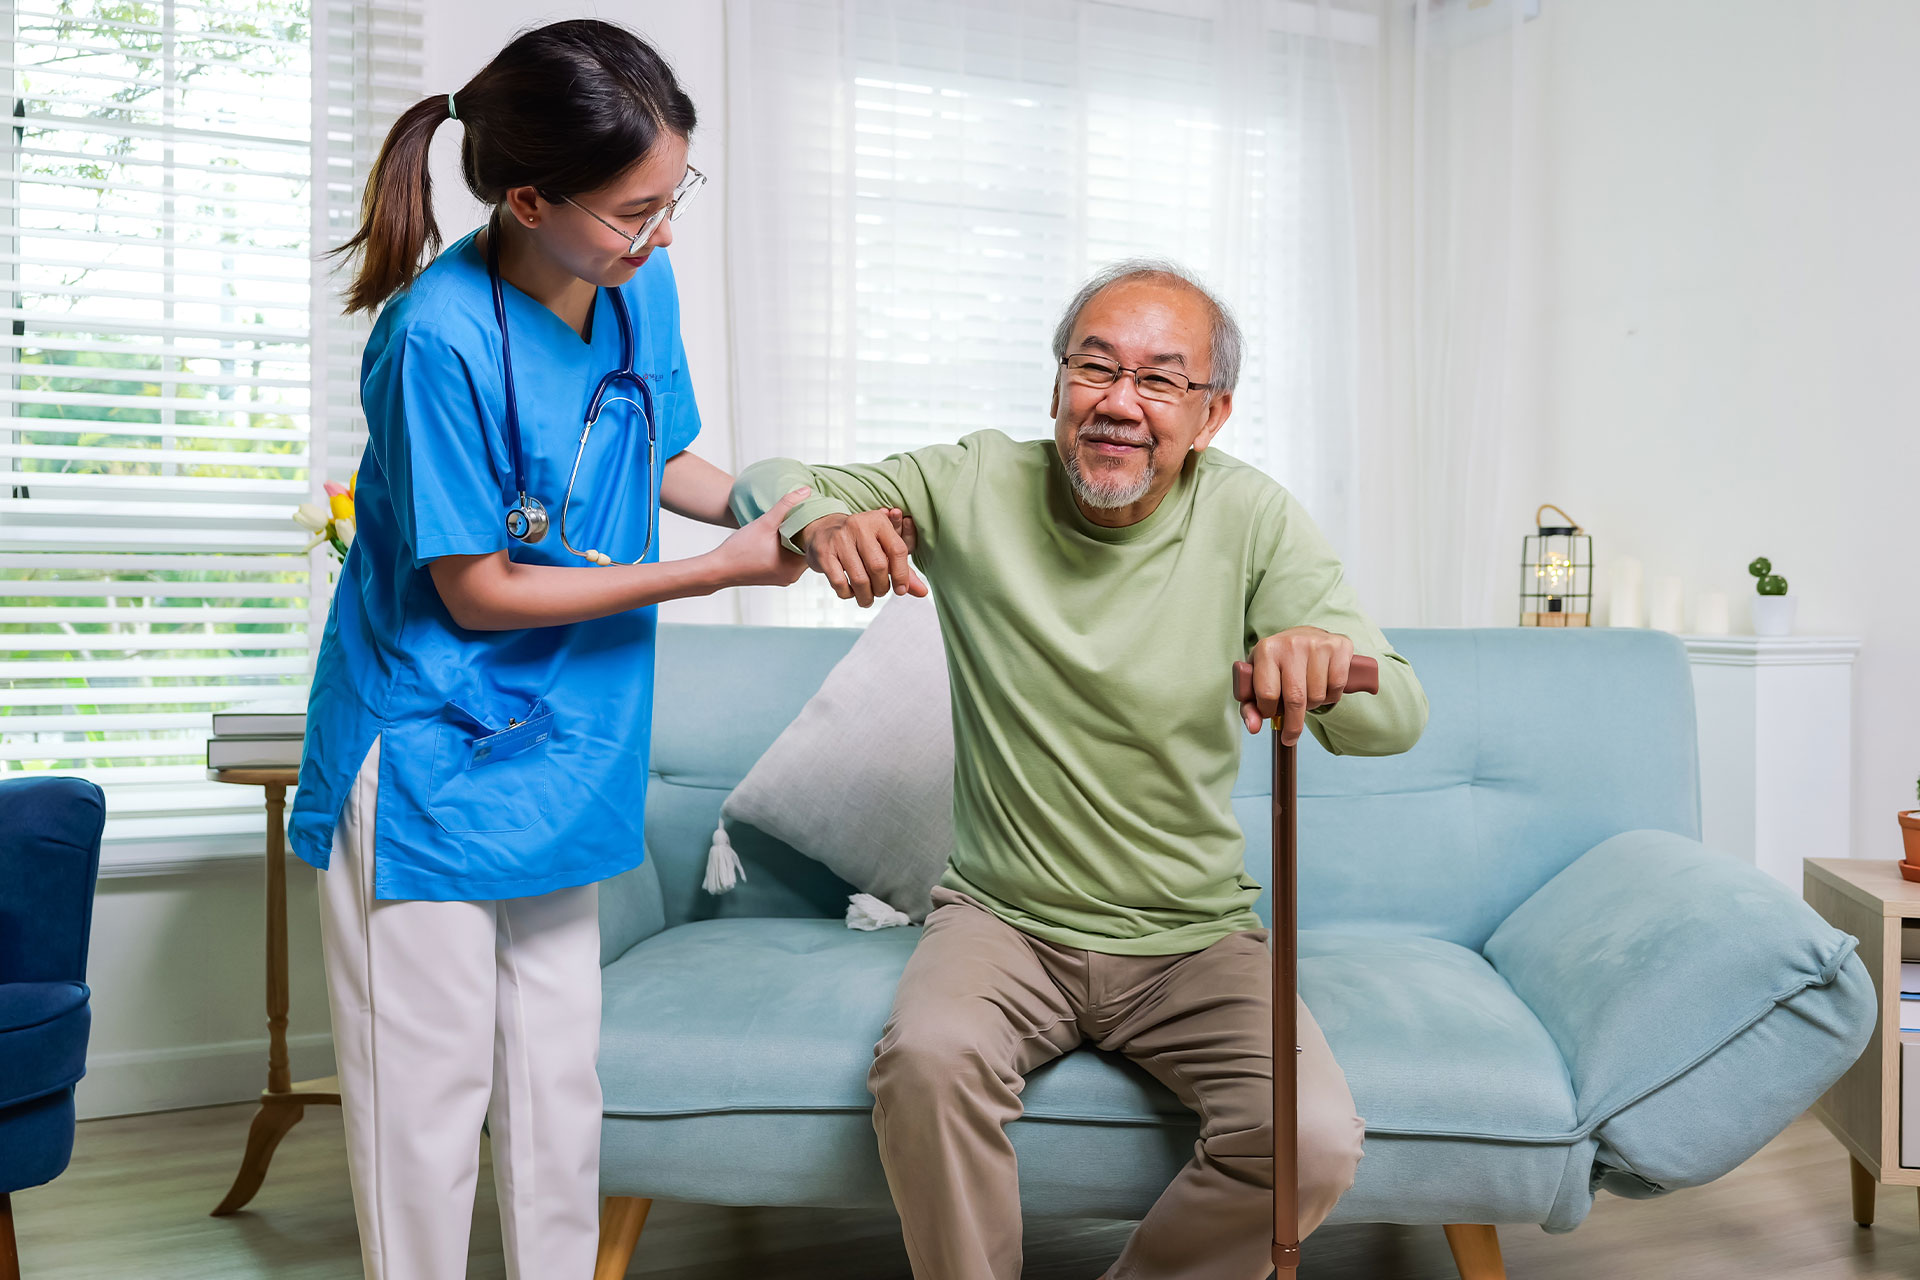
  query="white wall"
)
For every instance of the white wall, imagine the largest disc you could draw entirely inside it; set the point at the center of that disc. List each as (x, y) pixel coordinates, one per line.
(178, 972)
(1734, 297)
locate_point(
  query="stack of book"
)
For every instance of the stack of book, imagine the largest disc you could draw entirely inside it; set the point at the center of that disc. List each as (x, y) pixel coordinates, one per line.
(256, 739)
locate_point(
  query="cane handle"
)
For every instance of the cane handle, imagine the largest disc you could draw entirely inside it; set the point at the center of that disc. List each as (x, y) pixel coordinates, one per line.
(1363, 676)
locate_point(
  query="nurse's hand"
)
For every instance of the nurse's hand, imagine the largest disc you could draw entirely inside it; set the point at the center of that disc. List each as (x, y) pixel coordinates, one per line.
(493, 592)
(864, 555)
(754, 555)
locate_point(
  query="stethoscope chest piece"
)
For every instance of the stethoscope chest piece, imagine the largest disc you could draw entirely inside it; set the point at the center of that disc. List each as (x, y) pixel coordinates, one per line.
(527, 520)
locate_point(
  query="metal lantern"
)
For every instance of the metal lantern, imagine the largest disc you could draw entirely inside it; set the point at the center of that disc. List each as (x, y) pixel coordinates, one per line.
(1556, 573)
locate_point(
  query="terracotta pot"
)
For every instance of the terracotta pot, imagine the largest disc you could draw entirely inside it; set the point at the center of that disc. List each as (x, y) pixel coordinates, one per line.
(1910, 832)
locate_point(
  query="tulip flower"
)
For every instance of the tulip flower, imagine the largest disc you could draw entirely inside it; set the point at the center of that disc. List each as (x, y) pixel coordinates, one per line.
(330, 522)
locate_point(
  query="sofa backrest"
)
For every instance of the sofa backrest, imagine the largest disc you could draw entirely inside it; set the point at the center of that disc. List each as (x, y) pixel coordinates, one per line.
(722, 694)
(1540, 745)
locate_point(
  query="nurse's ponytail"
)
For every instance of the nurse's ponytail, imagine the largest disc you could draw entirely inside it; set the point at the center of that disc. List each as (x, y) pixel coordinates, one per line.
(565, 108)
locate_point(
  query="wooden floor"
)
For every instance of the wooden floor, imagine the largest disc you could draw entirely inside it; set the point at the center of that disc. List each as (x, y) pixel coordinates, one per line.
(135, 1202)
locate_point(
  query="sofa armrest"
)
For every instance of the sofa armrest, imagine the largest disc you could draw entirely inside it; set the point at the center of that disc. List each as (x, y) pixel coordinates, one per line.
(631, 911)
(49, 863)
(1700, 1005)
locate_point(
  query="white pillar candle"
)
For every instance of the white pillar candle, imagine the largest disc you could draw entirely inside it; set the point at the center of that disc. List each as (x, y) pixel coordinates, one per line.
(1666, 605)
(1623, 591)
(1710, 615)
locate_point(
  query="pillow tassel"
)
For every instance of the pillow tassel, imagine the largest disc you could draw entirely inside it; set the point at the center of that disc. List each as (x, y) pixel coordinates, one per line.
(723, 864)
(864, 911)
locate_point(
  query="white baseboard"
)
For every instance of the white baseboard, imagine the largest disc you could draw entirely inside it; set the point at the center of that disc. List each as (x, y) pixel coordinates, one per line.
(201, 1075)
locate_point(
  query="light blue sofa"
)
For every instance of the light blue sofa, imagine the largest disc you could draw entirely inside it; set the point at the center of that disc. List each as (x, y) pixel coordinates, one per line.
(1539, 982)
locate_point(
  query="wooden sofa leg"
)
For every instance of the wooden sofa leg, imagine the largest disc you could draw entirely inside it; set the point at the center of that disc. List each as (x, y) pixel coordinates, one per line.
(1476, 1251)
(9, 1252)
(620, 1224)
(1863, 1188)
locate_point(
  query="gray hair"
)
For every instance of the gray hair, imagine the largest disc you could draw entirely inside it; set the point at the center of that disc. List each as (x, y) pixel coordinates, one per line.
(1225, 343)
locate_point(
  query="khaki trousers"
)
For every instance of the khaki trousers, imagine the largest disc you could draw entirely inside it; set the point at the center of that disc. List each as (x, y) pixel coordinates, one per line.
(981, 1004)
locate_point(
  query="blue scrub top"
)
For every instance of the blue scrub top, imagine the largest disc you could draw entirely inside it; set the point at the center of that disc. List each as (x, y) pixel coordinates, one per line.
(512, 763)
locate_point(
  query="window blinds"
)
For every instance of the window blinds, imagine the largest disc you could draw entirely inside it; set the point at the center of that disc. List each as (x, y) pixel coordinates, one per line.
(369, 57)
(917, 188)
(1004, 151)
(165, 402)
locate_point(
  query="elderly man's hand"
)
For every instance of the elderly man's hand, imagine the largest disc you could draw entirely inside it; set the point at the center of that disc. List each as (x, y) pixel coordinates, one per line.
(864, 555)
(1296, 671)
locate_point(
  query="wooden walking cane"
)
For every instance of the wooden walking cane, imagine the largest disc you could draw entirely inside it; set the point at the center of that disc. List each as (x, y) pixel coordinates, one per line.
(1363, 676)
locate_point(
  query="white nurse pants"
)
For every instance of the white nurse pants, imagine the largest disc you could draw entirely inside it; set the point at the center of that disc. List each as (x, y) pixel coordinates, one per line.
(445, 1013)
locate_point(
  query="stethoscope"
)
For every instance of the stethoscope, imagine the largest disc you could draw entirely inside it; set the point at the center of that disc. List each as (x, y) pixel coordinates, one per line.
(526, 518)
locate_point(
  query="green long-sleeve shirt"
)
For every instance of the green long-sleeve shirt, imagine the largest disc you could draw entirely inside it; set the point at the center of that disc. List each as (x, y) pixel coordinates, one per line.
(1096, 738)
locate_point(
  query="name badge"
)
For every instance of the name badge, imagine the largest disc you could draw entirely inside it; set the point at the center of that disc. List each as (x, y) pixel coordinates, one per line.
(511, 742)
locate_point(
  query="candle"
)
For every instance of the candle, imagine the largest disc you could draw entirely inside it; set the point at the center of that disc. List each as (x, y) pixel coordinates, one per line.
(1666, 609)
(1710, 615)
(1623, 606)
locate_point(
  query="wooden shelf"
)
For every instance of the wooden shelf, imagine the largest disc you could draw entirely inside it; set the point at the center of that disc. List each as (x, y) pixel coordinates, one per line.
(1870, 882)
(1868, 898)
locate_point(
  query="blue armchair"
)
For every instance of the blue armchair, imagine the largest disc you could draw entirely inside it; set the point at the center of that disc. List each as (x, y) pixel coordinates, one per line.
(49, 860)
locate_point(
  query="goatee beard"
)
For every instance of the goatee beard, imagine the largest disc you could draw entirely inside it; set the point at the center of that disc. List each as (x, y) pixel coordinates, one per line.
(1105, 497)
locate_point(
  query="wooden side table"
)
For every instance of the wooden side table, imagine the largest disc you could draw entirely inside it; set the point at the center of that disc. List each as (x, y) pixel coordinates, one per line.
(1867, 898)
(283, 1101)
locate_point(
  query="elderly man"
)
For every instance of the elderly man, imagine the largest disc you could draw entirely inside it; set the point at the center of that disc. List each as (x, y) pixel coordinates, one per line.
(1094, 590)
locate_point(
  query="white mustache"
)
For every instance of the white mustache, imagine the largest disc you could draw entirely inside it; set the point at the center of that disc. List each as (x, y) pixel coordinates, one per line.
(1107, 430)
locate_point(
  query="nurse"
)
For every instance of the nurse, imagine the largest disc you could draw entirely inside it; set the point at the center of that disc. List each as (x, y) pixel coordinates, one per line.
(477, 739)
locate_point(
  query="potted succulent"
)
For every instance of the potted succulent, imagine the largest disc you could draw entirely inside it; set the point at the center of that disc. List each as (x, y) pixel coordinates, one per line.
(1772, 607)
(1910, 833)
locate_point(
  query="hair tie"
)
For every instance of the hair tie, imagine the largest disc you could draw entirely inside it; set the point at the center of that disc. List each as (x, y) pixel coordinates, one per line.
(451, 113)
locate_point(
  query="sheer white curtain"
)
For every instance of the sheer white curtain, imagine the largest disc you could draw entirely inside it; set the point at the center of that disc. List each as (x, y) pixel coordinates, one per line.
(1450, 472)
(916, 188)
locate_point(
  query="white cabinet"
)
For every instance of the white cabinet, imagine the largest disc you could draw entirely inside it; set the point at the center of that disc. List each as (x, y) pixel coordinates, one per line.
(1776, 741)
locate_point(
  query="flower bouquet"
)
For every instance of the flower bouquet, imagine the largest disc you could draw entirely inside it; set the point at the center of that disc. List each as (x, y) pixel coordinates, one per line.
(332, 523)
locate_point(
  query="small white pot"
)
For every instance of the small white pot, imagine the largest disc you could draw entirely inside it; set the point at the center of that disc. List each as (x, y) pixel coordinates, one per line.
(1773, 615)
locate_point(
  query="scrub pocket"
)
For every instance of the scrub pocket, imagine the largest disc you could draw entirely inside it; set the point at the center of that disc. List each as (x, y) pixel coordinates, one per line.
(488, 778)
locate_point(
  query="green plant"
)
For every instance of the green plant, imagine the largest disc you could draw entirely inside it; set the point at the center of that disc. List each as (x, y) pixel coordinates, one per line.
(1770, 583)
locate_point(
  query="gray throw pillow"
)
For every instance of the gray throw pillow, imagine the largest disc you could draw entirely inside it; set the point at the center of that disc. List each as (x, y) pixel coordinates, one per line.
(862, 780)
